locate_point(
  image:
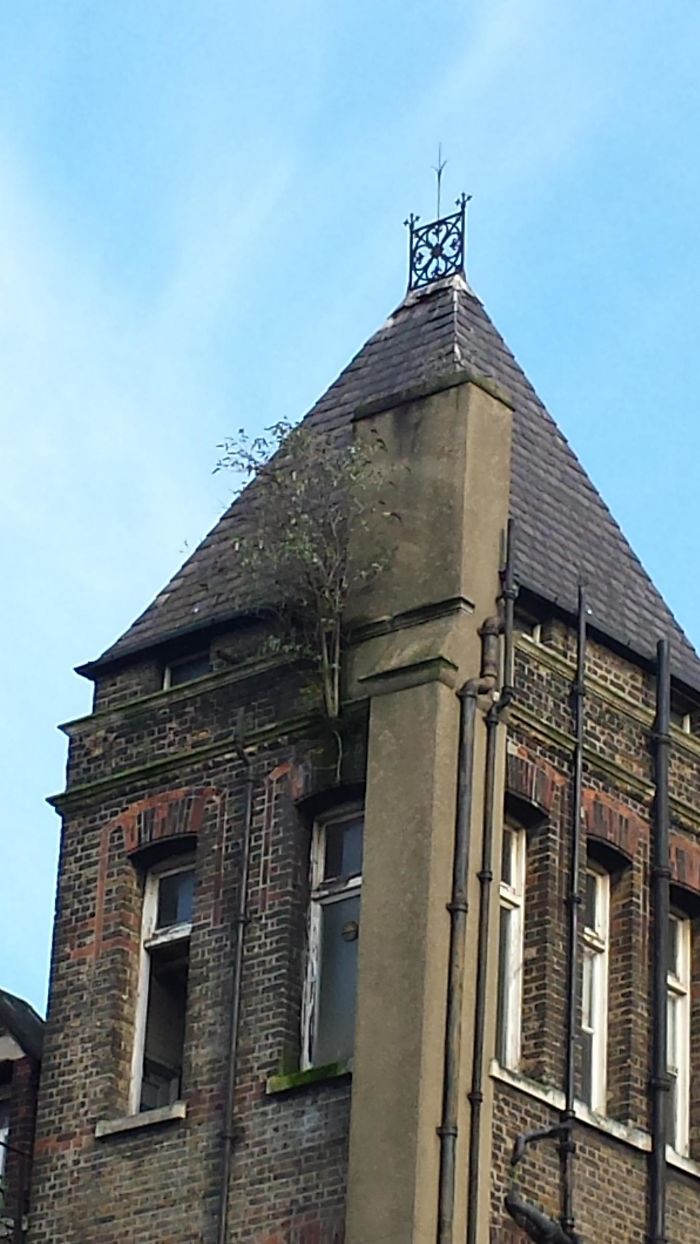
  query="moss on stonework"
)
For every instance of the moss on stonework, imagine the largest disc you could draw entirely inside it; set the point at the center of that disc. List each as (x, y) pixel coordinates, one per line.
(278, 731)
(298, 1079)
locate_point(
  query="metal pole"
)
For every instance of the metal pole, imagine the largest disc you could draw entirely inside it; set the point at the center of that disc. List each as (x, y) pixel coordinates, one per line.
(476, 1093)
(660, 879)
(241, 920)
(567, 1148)
(493, 718)
(458, 908)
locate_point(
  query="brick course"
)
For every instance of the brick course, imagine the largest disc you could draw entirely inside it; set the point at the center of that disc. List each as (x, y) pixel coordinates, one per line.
(610, 1189)
(162, 1182)
(153, 767)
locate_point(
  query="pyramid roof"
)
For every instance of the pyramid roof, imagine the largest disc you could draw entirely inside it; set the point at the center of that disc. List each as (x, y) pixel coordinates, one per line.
(565, 532)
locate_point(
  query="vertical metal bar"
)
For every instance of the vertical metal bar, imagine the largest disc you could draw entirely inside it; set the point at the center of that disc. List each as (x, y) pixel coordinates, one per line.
(241, 920)
(567, 1147)
(493, 718)
(476, 1093)
(462, 208)
(660, 880)
(458, 908)
(510, 593)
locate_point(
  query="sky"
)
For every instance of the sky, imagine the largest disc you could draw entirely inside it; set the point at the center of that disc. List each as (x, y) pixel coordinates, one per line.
(201, 221)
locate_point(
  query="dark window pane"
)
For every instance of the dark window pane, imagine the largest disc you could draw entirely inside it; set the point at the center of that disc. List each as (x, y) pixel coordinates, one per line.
(502, 1011)
(507, 858)
(175, 895)
(672, 1112)
(672, 964)
(190, 668)
(165, 1026)
(343, 849)
(4, 1133)
(335, 1033)
(587, 1067)
(589, 902)
(587, 1016)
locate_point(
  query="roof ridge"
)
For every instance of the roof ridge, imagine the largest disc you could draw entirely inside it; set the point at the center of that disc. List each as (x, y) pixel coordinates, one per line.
(565, 525)
(586, 481)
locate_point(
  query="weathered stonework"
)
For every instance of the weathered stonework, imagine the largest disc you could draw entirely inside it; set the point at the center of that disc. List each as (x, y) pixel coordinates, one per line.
(353, 1152)
(617, 808)
(162, 1181)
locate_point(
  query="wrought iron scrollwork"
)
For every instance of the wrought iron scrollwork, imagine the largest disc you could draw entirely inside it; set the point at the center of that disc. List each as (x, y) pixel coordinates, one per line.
(436, 250)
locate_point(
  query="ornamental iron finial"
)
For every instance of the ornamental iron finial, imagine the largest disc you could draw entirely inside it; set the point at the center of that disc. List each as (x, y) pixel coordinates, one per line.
(436, 250)
(438, 170)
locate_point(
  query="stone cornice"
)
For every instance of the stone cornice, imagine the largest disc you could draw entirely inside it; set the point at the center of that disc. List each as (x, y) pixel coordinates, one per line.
(596, 763)
(78, 797)
(171, 695)
(411, 617)
(428, 388)
(644, 716)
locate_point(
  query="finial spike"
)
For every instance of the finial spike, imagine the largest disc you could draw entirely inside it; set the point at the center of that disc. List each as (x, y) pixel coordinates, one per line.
(438, 169)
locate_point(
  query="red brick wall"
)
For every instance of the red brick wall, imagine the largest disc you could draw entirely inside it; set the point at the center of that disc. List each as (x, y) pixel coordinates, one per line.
(610, 1178)
(149, 765)
(162, 1183)
(18, 1164)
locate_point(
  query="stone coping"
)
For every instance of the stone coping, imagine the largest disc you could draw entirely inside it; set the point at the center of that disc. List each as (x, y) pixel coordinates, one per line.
(147, 1118)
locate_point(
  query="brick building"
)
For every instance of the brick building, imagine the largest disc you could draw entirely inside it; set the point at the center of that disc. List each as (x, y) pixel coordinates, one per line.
(21, 1037)
(228, 1058)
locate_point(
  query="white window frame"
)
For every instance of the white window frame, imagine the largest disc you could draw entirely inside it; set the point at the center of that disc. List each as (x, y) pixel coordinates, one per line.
(678, 988)
(168, 670)
(151, 939)
(5, 1139)
(321, 893)
(596, 948)
(512, 898)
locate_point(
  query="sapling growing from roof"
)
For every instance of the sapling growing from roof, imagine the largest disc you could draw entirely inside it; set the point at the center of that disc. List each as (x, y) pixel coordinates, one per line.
(306, 490)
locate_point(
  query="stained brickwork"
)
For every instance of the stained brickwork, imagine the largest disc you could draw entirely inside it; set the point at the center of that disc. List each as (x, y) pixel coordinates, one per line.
(610, 1196)
(154, 772)
(155, 769)
(148, 773)
(23, 1088)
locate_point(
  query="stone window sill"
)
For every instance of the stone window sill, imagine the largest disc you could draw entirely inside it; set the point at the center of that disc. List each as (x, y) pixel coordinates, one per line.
(135, 1122)
(624, 1132)
(313, 1075)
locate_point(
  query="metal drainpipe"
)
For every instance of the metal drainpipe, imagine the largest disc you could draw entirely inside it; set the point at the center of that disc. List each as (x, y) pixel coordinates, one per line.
(458, 908)
(241, 921)
(536, 1225)
(660, 879)
(567, 1147)
(493, 717)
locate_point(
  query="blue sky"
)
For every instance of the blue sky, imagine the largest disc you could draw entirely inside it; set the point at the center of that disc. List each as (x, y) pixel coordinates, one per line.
(201, 209)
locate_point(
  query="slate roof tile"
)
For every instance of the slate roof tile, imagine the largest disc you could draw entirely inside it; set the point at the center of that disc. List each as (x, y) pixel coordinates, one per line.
(565, 529)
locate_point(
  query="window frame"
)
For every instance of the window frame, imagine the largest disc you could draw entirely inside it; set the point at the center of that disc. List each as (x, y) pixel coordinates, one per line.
(510, 996)
(6, 1110)
(200, 655)
(322, 893)
(679, 987)
(596, 948)
(150, 939)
